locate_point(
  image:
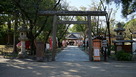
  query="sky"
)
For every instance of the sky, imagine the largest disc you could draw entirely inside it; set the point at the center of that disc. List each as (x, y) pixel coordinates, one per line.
(87, 3)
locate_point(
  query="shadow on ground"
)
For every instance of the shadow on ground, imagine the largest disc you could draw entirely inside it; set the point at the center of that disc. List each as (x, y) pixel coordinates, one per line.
(20, 68)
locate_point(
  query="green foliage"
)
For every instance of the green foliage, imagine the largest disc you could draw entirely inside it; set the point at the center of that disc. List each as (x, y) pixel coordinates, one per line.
(112, 47)
(2, 33)
(72, 29)
(79, 27)
(123, 56)
(6, 6)
(130, 25)
(129, 6)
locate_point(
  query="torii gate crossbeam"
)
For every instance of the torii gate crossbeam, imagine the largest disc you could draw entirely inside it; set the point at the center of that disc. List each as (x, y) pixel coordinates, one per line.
(73, 13)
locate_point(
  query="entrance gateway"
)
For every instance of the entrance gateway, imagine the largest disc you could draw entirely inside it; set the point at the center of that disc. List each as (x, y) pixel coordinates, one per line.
(72, 13)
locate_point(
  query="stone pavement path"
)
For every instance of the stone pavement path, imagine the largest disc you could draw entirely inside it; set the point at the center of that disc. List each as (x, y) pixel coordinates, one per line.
(72, 53)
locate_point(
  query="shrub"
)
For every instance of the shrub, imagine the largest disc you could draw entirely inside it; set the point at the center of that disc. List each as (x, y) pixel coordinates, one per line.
(123, 56)
(112, 47)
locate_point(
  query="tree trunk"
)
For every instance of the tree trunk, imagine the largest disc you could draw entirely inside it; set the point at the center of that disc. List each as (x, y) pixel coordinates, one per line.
(14, 38)
(47, 37)
(59, 43)
(109, 45)
(9, 32)
(32, 38)
(33, 48)
(98, 26)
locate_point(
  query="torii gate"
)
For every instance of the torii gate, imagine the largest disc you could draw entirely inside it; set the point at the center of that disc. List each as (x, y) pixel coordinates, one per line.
(72, 13)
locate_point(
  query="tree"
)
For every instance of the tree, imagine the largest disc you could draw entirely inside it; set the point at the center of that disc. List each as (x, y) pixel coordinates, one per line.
(130, 27)
(6, 16)
(129, 6)
(26, 12)
(29, 9)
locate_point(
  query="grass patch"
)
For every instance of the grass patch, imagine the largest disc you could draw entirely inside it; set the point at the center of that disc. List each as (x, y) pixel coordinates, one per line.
(6, 51)
(6, 48)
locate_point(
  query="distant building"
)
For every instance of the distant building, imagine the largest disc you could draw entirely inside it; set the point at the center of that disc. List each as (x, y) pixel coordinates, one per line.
(74, 38)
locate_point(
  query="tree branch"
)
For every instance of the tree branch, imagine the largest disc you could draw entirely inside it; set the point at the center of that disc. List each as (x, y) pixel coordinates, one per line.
(23, 11)
(104, 8)
(37, 9)
(56, 5)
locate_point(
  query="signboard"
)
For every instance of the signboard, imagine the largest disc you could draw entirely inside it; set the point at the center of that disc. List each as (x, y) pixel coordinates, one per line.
(104, 43)
(96, 55)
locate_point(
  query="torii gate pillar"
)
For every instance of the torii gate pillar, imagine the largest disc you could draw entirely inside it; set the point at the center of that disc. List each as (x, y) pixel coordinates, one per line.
(90, 39)
(54, 37)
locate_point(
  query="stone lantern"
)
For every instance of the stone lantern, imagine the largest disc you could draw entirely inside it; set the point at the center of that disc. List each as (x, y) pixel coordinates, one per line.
(23, 32)
(120, 32)
(119, 43)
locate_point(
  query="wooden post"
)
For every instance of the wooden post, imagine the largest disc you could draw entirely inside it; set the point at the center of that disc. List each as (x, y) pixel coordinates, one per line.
(90, 39)
(131, 47)
(54, 37)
